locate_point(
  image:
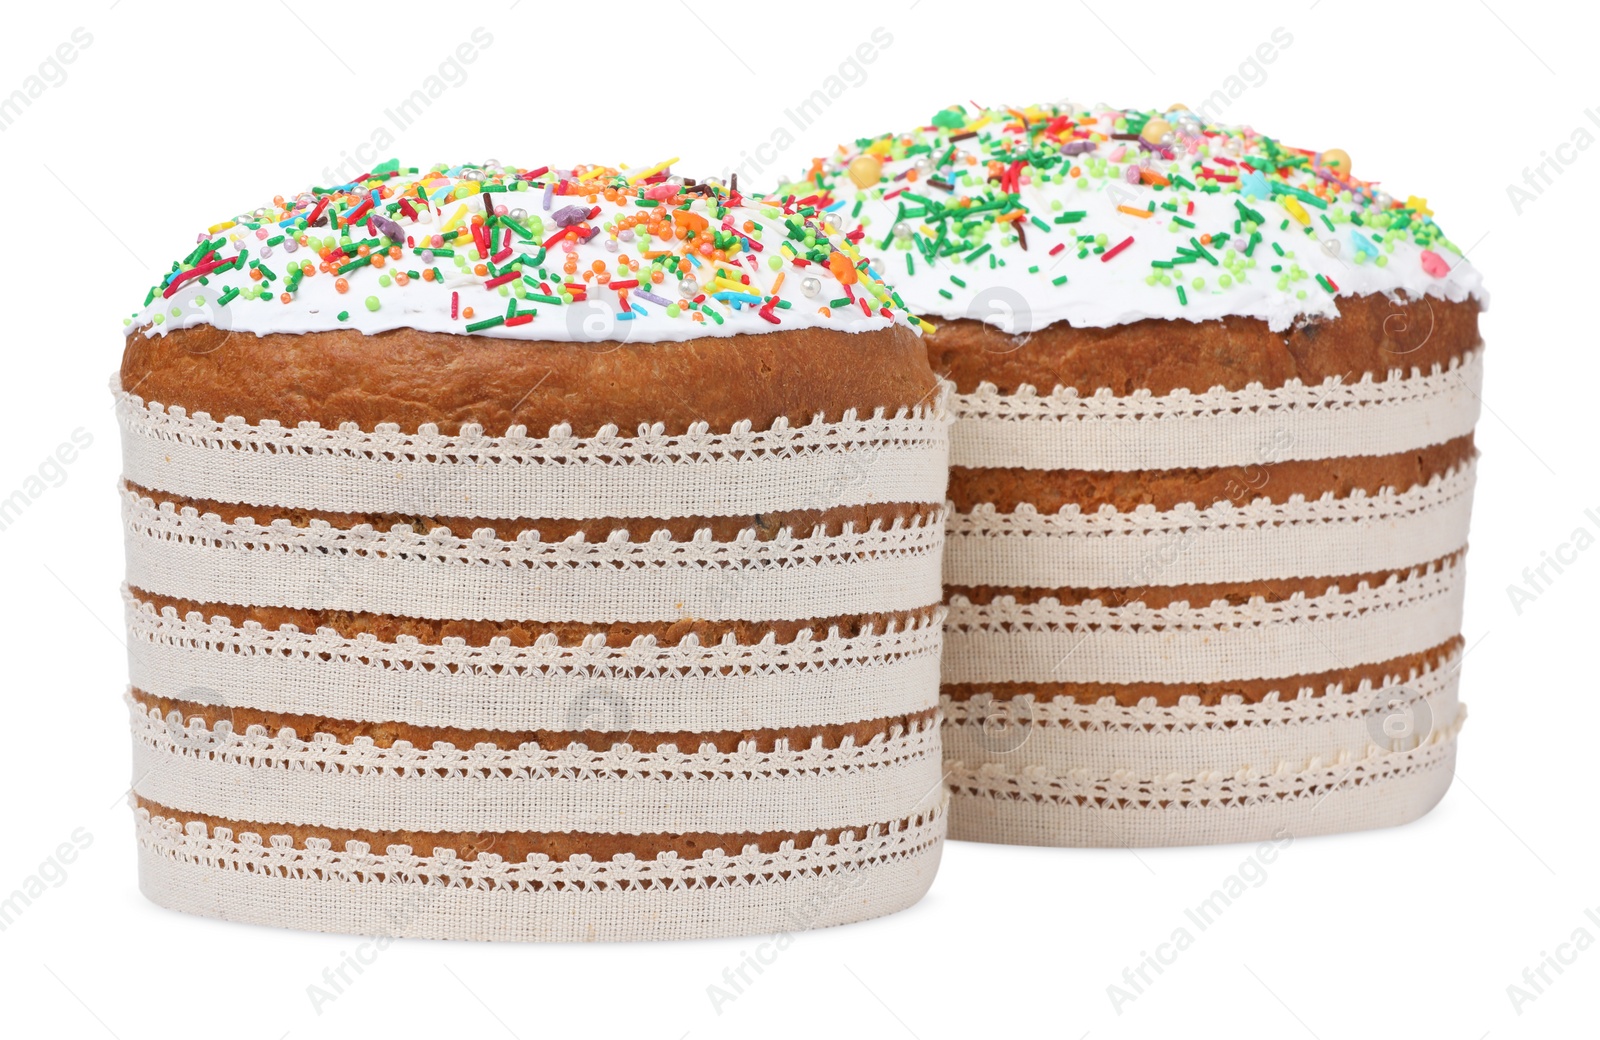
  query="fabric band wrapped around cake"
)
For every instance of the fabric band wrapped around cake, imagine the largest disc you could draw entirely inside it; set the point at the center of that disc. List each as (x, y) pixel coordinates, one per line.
(532, 554)
(1211, 471)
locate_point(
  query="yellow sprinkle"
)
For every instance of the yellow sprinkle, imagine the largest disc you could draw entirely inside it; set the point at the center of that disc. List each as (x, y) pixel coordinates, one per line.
(651, 171)
(1296, 210)
(1420, 205)
(225, 225)
(455, 218)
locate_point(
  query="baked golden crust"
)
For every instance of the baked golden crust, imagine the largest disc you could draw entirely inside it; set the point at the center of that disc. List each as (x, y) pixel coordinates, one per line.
(1253, 691)
(1049, 490)
(1372, 334)
(411, 378)
(800, 522)
(387, 627)
(515, 846)
(1272, 590)
(384, 734)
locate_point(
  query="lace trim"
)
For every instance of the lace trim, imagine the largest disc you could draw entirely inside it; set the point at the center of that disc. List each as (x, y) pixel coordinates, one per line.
(258, 748)
(1287, 782)
(439, 547)
(1100, 431)
(1005, 614)
(1223, 542)
(1288, 708)
(985, 520)
(385, 442)
(899, 458)
(1048, 641)
(1333, 394)
(277, 857)
(438, 575)
(815, 679)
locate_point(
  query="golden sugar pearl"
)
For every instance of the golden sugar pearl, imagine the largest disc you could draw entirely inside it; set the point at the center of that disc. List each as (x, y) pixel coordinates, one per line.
(865, 170)
(1154, 130)
(1335, 161)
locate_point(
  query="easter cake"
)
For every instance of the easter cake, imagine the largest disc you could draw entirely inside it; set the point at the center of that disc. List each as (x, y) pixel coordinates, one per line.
(532, 553)
(1212, 464)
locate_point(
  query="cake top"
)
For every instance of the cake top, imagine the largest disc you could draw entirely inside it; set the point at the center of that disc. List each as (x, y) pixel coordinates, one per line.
(1027, 217)
(582, 254)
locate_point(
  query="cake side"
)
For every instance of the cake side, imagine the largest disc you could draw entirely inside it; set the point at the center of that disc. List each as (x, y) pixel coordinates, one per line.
(1204, 579)
(516, 632)
(410, 378)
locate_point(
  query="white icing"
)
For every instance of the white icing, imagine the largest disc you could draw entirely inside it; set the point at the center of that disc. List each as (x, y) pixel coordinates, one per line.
(316, 304)
(1100, 293)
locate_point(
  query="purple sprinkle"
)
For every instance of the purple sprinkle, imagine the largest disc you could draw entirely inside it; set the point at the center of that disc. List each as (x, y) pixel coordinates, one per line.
(592, 232)
(567, 216)
(389, 228)
(1077, 147)
(549, 192)
(652, 297)
(1131, 174)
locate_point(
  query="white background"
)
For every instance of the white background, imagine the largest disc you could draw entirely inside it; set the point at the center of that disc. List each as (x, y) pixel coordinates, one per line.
(177, 115)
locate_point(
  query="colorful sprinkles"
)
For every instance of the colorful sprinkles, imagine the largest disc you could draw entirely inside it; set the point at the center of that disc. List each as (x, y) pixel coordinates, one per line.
(1046, 187)
(476, 248)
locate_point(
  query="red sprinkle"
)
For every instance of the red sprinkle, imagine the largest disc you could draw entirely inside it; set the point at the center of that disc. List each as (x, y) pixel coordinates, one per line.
(1059, 247)
(1114, 250)
(521, 319)
(455, 305)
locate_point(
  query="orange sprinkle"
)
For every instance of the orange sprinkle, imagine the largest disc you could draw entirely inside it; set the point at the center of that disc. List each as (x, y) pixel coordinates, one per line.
(1134, 211)
(466, 312)
(341, 285)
